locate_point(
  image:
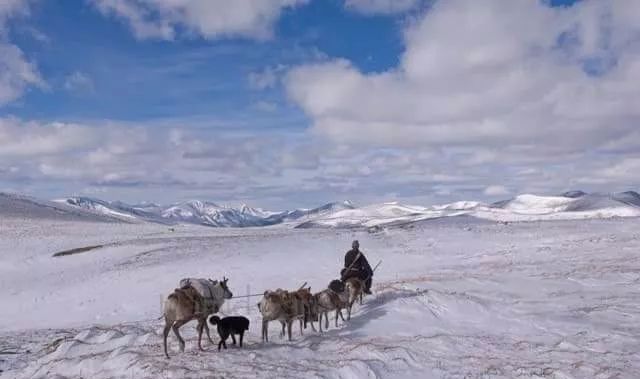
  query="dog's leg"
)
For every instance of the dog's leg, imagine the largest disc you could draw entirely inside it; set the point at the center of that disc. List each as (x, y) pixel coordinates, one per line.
(241, 337)
(233, 339)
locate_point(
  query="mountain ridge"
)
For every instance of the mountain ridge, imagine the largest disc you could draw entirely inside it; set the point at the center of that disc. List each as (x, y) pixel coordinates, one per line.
(344, 214)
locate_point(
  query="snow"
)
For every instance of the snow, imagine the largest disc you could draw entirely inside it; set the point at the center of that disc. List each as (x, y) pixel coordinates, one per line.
(456, 298)
(198, 212)
(525, 207)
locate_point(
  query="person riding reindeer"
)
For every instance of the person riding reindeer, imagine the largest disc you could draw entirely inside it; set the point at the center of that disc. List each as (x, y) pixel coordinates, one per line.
(356, 265)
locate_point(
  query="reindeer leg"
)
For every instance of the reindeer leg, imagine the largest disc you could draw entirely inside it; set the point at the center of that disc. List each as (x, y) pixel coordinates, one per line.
(282, 333)
(176, 326)
(301, 322)
(206, 329)
(337, 312)
(265, 334)
(289, 324)
(199, 328)
(340, 312)
(165, 334)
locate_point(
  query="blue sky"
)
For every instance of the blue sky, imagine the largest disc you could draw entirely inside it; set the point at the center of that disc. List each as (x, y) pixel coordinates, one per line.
(282, 103)
(139, 80)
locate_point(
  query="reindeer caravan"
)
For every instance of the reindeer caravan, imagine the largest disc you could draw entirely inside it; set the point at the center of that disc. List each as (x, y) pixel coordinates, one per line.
(197, 299)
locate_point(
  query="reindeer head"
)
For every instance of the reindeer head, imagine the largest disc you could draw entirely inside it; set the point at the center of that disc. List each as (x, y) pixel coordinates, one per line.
(227, 293)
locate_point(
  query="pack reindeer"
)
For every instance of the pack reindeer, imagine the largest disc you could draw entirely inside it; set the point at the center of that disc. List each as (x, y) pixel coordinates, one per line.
(194, 300)
(329, 300)
(286, 307)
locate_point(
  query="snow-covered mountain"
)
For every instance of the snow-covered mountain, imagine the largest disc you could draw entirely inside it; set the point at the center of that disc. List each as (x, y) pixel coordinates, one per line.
(201, 212)
(526, 207)
(20, 206)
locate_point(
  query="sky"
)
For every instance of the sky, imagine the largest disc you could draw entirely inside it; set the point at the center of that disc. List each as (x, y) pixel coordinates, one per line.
(289, 103)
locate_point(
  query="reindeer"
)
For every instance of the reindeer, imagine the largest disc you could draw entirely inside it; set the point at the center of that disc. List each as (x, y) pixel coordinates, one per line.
(188, 303)
(285, 306)
(354, 287)
(329, 300)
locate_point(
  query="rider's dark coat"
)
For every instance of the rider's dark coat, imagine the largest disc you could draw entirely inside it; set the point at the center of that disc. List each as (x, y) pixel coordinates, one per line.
(359, 266)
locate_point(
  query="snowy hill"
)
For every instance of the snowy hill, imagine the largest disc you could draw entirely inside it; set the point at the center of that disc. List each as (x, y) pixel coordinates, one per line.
(525, 207)
(20, 206)
(201, 212)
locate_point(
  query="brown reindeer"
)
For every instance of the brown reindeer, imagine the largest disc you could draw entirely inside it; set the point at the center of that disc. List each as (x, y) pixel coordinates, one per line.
(285, 306)
(186, 304)
(355, 289)
(329, 300)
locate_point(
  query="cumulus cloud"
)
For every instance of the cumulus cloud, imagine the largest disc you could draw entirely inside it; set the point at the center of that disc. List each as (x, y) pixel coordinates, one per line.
(486, 73)
(381, 6)
(164, 19)
(17, 73)
(497, 96)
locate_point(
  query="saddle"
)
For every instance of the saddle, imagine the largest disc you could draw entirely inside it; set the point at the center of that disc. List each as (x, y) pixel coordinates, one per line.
(204, 287)
(192, 295)
(336, 286)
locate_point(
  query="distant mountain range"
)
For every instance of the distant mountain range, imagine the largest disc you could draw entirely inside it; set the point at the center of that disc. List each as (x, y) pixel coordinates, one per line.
(526, 207)
(200, 212)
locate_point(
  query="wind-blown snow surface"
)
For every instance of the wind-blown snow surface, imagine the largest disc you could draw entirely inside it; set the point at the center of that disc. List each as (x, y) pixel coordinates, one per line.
(456, 298)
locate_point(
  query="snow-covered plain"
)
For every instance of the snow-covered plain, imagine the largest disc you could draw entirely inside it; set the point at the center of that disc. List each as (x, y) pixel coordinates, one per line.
(454, 298)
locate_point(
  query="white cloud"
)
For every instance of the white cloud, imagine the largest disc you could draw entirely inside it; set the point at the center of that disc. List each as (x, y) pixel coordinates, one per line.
(381, 6)
(17, 74)
(78, 82)
(268, 78)
(496, 190)
(487, 74)
(210, 19)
